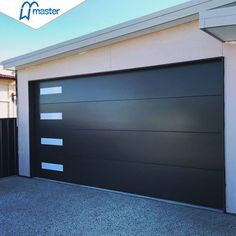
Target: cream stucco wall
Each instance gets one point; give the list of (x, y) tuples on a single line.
[(182, 43), (230, 126)]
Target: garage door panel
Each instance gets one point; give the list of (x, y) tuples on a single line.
[(194, 114), (191, 186), (178, 149), (156, 131), (53, 175), (179, 184), (181, 80)]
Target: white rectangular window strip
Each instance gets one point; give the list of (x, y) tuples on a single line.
[(51, 166), (51, 90), (52, 141), (50, 116)]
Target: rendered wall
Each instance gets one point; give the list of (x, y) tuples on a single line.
[(183, 43), (230, 126)]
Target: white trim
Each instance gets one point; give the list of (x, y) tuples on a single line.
[(51, 166), (52, 141), (50, 116), (218, 17), (5, 101), (220, 22)]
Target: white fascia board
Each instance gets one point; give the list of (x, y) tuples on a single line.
[(220, 23), (164, 19), (218, 17)]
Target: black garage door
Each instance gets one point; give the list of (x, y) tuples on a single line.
[(155, 131)]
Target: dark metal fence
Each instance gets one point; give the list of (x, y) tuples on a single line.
[(8, 147)]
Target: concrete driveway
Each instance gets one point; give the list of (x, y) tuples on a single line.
[(35, 207)]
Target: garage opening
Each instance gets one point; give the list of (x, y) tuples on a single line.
[(156, 131)]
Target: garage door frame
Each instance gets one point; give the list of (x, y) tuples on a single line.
[(33, 98)]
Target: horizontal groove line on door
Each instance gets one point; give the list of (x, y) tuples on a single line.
[(138, 131), (134, 99), (143, 163)]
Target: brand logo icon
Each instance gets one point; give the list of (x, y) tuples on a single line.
[(26, 10), (25, 13), (36, 13)]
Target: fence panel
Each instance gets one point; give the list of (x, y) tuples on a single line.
[(8, 147)]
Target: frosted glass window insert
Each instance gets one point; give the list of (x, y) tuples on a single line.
[(51, 166), (51, 90), (50, 116), (52, 141)]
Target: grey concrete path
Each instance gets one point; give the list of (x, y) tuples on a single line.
[(35, 207)]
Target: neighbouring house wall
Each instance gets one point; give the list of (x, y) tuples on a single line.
[(4, 98), (7, 106), (182, 43)]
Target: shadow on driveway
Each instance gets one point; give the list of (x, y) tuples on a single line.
[(35, 207)]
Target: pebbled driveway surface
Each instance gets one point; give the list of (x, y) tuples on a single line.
[(35, 207)]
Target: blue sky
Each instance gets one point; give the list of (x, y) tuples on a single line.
[(92, 15)]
